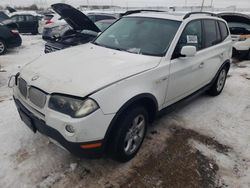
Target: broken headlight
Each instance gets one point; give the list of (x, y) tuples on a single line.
[(74, 107)]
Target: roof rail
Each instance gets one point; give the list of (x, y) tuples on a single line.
[(207, 13), (140, 10)]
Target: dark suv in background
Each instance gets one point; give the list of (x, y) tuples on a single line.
[(27, 23), (9, 36)]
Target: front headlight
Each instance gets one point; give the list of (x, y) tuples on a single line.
[(74, 107)]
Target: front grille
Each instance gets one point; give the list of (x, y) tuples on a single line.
[(22, 85), (49, 49), (37, 97)]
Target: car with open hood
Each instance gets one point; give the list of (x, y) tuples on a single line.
[(239, 25), (9, 36), (83, 29), (61, 28), (76, 38), (99, 98)]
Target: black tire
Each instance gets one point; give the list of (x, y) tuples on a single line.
[(124, 127), (248, 55), (3, 47), (219, 83)]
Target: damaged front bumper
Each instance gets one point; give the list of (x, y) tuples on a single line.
[(38, 125)]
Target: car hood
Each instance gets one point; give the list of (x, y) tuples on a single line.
[(85, 69), (75, 18)]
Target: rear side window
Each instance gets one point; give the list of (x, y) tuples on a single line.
[(224, 30), (218, 33), (210, 33)]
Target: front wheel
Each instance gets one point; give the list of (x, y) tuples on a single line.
[(219, 83), (3, 47), (131, 130)]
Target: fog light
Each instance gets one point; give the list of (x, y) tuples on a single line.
[(70, 128)]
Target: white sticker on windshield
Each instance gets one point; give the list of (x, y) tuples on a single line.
[(192, 39)]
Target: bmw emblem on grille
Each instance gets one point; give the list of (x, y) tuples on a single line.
[(35, 78)]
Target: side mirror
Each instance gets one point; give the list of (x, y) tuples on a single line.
[(188, 51)]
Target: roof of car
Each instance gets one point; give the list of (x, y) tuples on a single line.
[(170, 16), (33, 13)]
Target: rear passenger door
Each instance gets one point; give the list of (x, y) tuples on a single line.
[(215, 50), (20, 20), (31, 24)]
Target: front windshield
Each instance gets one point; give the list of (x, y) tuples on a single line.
[(147, 36)]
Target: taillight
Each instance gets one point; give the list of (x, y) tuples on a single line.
[(48, 22), (244, 37), (14, 31)]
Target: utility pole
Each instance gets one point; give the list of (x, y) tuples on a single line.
[(203, 1)]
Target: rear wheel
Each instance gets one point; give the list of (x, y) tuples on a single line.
[(3, 47), (130, 134), (219, 83)]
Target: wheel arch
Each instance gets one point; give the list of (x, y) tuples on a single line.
[(225, 64), (146, 99)]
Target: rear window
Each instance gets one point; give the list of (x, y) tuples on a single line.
[(48, 17), (103, 17), (223, 30), (210, 33), (237, 28)]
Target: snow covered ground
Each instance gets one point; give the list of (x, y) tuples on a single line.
[(29, 160)]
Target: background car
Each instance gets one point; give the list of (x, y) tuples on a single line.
[(95, 17), (3, 16), (59, 28), (26, 21), (239, 25), (104, 24), (46, 19), (9, 36), (82, 28), (77, 38)]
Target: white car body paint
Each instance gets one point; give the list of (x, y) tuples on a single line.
[(242, 45), (112, 78)]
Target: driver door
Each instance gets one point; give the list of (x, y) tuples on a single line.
[(186, 73)]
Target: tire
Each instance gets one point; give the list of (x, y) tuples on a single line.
[(3, 47), (128, 138), (219, 83), (248, 55)]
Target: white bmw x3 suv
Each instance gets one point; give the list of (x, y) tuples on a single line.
[(100, 97)]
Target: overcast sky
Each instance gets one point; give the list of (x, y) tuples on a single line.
[(216, 3)]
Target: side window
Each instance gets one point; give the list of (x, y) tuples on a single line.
[(103, 17), (30, 18), (191, 36), (224, 30), (210, 33), (14, 18), (19, 18), (218, 33), (92, 18)]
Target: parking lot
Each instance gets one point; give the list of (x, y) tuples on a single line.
[(205, 143)]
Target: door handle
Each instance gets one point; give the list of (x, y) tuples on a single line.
[(201, 65)]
